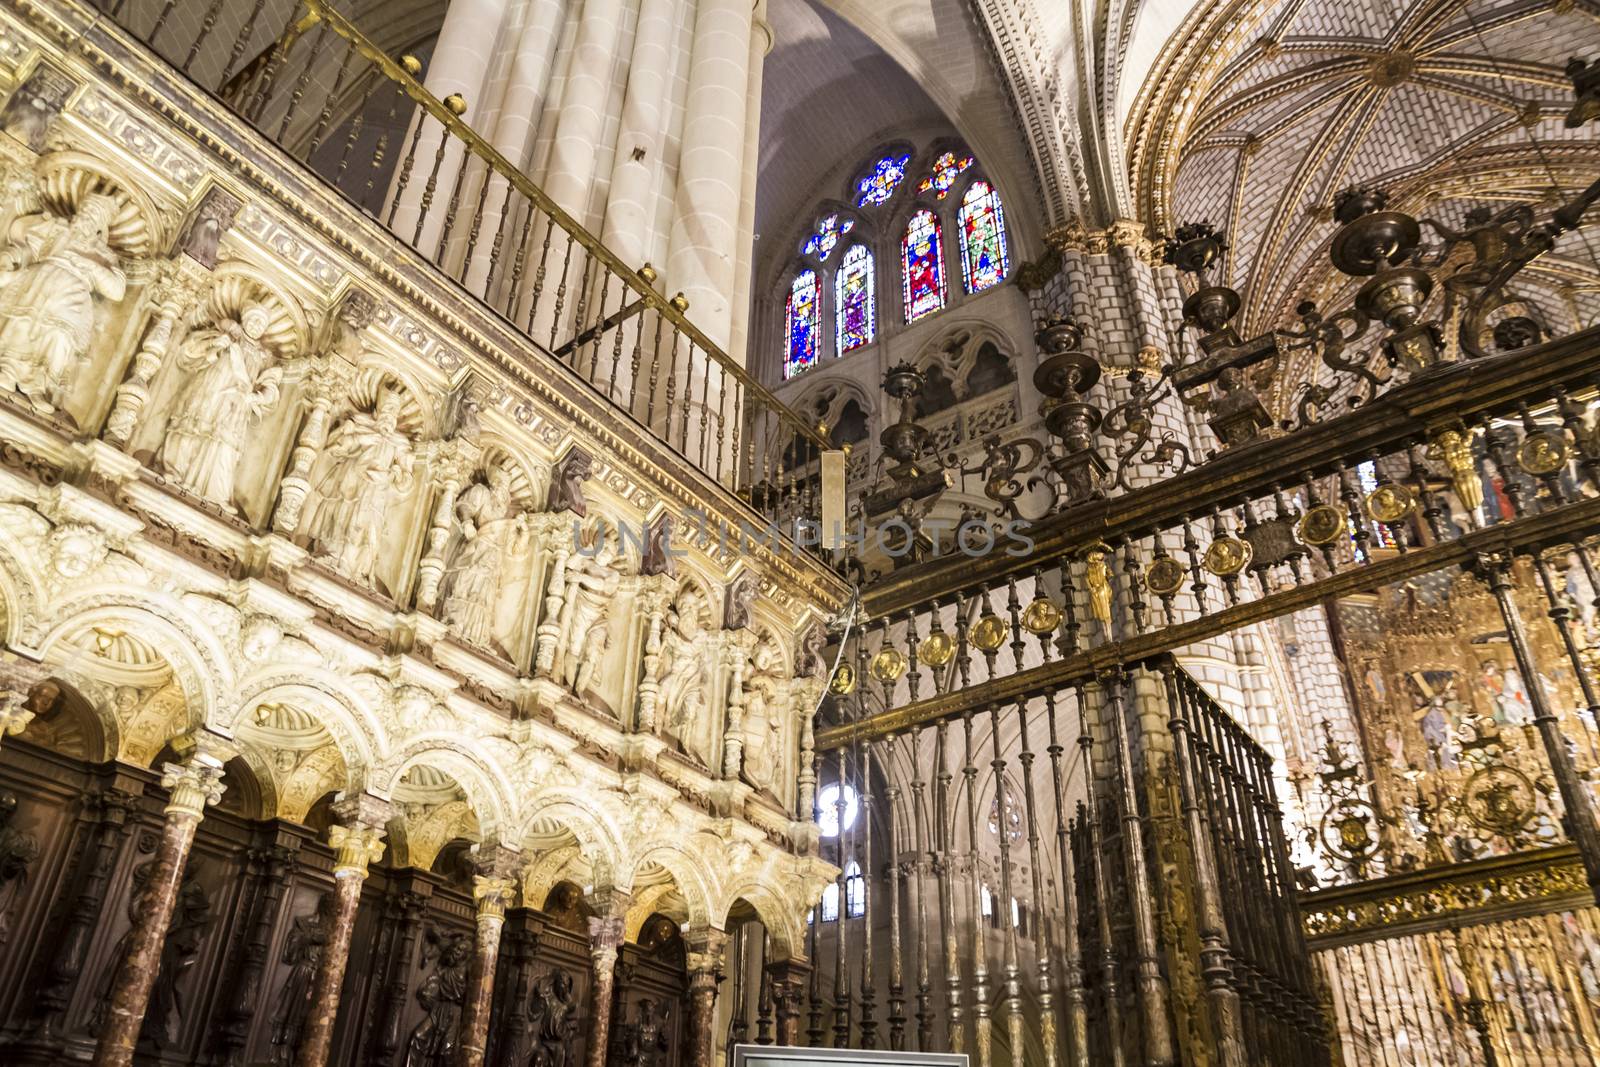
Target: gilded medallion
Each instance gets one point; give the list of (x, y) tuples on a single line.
[(1226, 556), (888, 665), (937, 649), (987, 634), (1323, 524), (1390, 503), (1041, 617), (1164, 576), (1543, 452), (844, 680)]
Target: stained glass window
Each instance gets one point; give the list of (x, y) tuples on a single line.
[(946, 169), (922, 265), (805, 321), (983, 238), (829, 230), (854, 300), (886, 176)]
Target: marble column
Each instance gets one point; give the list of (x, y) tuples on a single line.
[(788, 990), (194, 783), (703, 250), (493, 894), (356, 842), (706, 948), (605, 937)]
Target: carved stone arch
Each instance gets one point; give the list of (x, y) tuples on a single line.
[(828, 401), (238, 284), (417, 419), (530, 478), (548, 869), (20, 592), (75, 725), (200, 663), (690, 873), (585, 816), (956, 351), (251, 786), (66, 179), (488, 792), (357, 727), (783, 917)]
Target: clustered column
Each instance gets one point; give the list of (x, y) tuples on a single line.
[(493, 893), (356, 841), (194, 783)]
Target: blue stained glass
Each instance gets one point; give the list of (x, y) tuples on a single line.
[(886, 176), (805, 320), (829, 230), (983, 238), (922, 266), (946, 169), (854, 299)]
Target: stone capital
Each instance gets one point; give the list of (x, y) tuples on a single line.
[(194, 784), (605, 937), (706, 946), (355, 847), (493, 895), (358, 808)]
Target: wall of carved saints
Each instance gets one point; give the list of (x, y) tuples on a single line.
[(258, 481)]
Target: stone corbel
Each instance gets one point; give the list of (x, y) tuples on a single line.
[(35, 105), (175, 293), (213, 217)]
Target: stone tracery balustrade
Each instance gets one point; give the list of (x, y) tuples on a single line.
[(255, 458)]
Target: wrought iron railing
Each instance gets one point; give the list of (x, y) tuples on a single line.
[(311, 82), (1031, 871)]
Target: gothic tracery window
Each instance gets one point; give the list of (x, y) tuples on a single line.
[(804, 321), (946, 169), (922, 265), (983, 238), (855, 898), (829, 229), (855, 300), (884, 178)]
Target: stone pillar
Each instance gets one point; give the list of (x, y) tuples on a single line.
[(357, 841), (703, 250), (630, 201), (739, 331), (706, 947), (605, 936), (788, 990), (493, 894), (194, 783)]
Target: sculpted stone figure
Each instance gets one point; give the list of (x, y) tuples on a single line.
[(227, 386), (763, 719), (593, 576), (491, 533), (683, 682), (18, 850), (303, 952), (368, 461), (50, 273)]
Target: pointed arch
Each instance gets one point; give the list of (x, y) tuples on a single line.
[(922, 266), (855, 300), (804, 322), (982, 224)]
